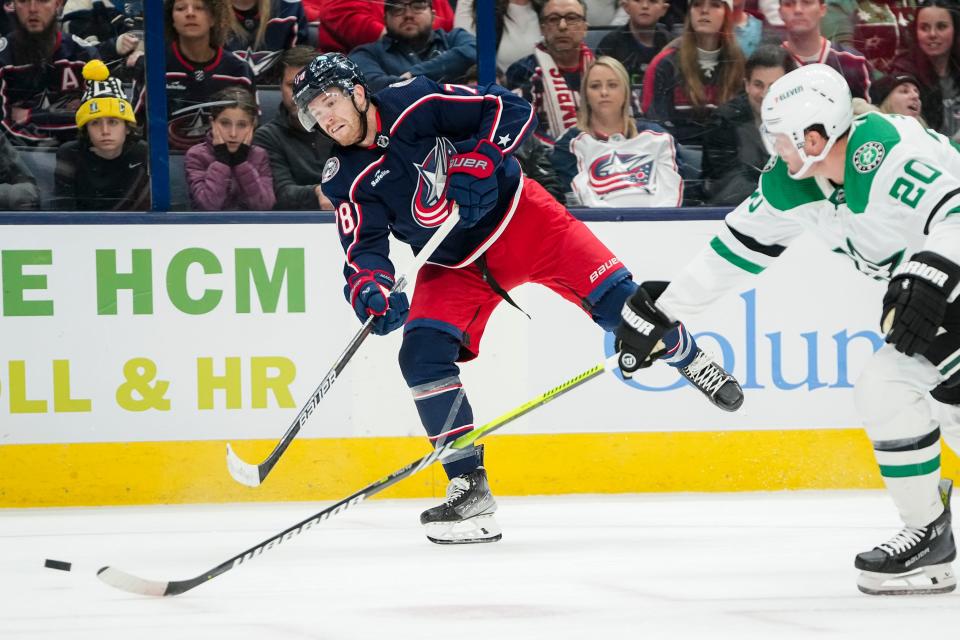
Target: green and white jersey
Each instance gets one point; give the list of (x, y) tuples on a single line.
[(901, 194)]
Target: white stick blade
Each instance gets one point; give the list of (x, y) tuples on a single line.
[(130, 583), (242, 472)]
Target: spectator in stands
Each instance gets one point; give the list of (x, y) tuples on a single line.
[(705, 71), (876, 28), (607, 160), (296, 156), (412, 47), (347, 24), (806, 44), (934, 59), (898, 94), (105, 168), (550, 77), (515, 21), (606, 13), (266, 28), (198, 66), (41, 79), (637, 42), (747, 28), (18, 188), (733, 151), (227, 172), (116, 30)]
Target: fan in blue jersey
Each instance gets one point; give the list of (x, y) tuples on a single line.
[(402, 157)]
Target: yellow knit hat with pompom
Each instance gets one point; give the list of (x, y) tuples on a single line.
[(103, 96)]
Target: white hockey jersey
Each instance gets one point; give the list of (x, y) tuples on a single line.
[(627, 172), (901, 195)]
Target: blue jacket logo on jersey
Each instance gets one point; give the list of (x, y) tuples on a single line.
[(614, 171), (429, 207)]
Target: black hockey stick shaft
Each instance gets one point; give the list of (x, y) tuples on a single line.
[(254, 475), (128, 582)]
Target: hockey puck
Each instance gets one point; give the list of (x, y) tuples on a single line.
[(60, 565)]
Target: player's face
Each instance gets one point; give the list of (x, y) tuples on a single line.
[(407, 20), (605, 93), (644, 14), (563, 24), (905, 100), (107, 136), (802, 16), (192, 19), (781, 145), (759, 83), (336, 115), (706, 16), (235, 127), (36, 15), (934, 31)]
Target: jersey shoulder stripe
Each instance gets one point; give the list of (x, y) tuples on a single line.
[(783, 193), (872, 137)]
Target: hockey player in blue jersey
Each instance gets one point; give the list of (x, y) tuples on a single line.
[(402, 156)]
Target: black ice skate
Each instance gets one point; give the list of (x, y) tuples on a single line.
[(721, 388), (915, 561), (467, 514)]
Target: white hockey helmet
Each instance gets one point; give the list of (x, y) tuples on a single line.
[(814, 94)]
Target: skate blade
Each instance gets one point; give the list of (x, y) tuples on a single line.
[(936, 578), (481, 528)]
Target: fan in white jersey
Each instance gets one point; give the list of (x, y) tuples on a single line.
[(604, 160), (884, 191)]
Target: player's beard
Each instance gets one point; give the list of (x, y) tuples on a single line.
[(34, 48)]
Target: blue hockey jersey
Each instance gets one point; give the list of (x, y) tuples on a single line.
[(397, 184)]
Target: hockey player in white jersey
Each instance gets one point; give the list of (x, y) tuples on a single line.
[(886, 192)]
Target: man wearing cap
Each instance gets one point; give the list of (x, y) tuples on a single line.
[(105, 168), (40, 76), (412, 47)]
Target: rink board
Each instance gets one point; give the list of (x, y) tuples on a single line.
[(129, 354)]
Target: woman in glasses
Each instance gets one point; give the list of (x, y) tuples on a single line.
[(934, 60)]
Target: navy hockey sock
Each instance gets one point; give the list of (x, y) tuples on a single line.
[(681, 347), (428, 362)]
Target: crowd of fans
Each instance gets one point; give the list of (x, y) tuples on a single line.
[(641, 103)]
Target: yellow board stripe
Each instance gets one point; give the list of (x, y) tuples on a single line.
[(329, 469)]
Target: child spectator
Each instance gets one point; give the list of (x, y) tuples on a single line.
[(637, 42), (605, 160), (516, 24), (705, 71), (266, 28), (105, 168), (934, 60), (733, 151), (198, 66), (227, 172), (18, 188)]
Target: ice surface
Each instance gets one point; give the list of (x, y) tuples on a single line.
[(745, 566)]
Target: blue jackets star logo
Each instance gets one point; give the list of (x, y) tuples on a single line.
[(429, 207)]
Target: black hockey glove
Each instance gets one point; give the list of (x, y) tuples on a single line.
[(916, 301), (368, 292), (642, 325), (472, 181)]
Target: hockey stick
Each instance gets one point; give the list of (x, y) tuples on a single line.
[(128, 582), (253, 475)]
